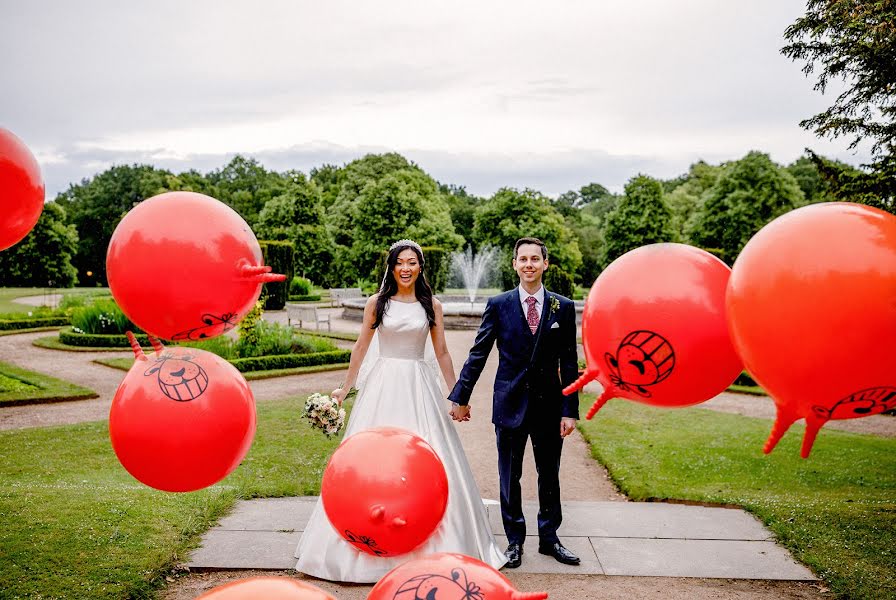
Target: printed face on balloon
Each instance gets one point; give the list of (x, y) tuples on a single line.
[(644, 358), (439, 587), (871, 401), (179, 377)]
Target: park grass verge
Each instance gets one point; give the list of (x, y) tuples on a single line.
[(30, 330), (336, 335), (8, 294), (51, 342), (21, 386), (77, 525), (124, 364), (836, 511)]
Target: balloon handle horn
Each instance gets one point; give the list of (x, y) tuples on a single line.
[(599, 403), (586, 377), (260, 274), (782, 424), (135, 346), (398, 522), (812, 427), (377, 512), (528, 595), (156, 344)]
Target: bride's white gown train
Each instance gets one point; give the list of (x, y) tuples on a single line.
[(402, 390)]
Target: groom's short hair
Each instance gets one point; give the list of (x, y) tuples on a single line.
[(531, 240)]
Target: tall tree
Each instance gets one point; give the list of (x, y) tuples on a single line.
[(96, 206), (511, 214), (854, 42), (43, 258), (296, 216), (641, 217), (748, 194), (246, 186)]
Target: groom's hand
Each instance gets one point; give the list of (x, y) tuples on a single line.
[(460, 413), (567, 425)]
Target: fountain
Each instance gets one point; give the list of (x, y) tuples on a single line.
[(474, 271)]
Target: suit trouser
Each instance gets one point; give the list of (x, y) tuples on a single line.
[(546, 446)]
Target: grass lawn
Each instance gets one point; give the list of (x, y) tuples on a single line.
[(835, 511), (8, 294), (77, 525), (125, 364), (21, 386)]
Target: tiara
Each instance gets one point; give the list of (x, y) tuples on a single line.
[(410, 243)]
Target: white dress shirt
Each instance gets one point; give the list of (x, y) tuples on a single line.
[(539, 300)]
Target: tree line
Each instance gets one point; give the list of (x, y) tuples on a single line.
[(340, 218)]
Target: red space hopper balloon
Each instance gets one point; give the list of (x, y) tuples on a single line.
[(182, 419), (385, 491), (446, 576), (21, 190), (268, 588), (812, 311), (185, 266), (654, 328)]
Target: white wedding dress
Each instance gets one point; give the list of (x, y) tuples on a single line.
[(401, 389)]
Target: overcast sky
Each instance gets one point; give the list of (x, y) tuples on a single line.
[(485, 94)]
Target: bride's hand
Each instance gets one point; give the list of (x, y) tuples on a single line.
[(338, 395)]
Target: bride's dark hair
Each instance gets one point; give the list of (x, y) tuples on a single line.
[(389, 286)]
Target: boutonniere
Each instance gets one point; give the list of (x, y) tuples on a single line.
[(555, 304)]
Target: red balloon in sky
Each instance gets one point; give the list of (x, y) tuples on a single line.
[(21, 190), (182, 419), (267, 588), (446, 576), (812, 311), (654, 328), (385, 491), (185, 266)]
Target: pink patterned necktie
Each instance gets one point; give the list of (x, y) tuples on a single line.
[(532, 314)]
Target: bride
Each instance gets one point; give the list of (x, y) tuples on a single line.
[(402, 390)]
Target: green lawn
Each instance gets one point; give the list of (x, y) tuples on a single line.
[(77, 525), (835, 511), (7, 294), (21, 386)]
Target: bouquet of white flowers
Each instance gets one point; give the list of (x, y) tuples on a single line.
[(324, 413)]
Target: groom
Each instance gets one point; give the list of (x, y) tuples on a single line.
[(536, 335)]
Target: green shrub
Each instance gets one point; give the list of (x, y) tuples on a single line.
[(559, 281), (28, 323), (103, 317), (96, 340), (299, 286), (279, 256), (305, 298), (290, 361), (263, 339), (745, 379)]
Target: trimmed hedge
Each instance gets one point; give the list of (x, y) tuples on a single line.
[(559, 281), (90, 340), (290, 361), (278, 256), (304, 298), (10, 324)]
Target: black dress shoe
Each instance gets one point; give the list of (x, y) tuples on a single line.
[(514, 554), (560, 553)]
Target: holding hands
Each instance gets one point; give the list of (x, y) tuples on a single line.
[(460, 413)]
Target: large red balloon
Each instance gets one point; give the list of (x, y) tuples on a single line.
[(21, 190), (812, 310), (385, 491), (654, 328), (182, 419), (267, 588), (447, 576), (185, 266)]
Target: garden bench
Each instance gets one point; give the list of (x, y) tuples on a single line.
[(309, 314), (337, 295)]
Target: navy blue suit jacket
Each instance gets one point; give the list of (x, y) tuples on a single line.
[(532, 369)]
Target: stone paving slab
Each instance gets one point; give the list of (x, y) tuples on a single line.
[(612, 538), (647, 520), (728, 559)]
